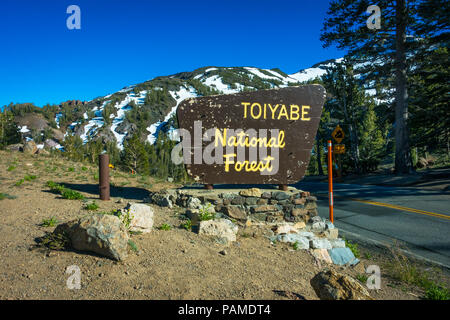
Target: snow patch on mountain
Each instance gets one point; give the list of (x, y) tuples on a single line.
[(180, 95), (122, 108)]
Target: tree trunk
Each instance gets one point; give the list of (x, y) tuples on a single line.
[(403, 162), (319, 157)]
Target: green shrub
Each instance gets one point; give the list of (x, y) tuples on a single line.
[(51, 222), (11, 168), (30, 177), (353, 247), (19, 183), (362, 278), (187, 225), (436, 292), (206, 212), (71, 194), (91, 206), (66, 193), (164, 227)]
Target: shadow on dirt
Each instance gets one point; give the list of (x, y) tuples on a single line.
[(127, 193)]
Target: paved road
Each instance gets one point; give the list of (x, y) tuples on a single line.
[(418, 218)]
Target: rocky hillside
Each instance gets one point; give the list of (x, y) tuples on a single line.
[(148, 107)]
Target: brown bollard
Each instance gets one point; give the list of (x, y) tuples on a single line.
[(283, 187), (103, 165), (209, 187)]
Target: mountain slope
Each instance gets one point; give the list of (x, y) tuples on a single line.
[(147, 107)]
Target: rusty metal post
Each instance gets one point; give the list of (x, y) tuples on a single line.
[(209, 187), (103, 165), (283, 187)]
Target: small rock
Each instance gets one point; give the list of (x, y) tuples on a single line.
[(337, 243), (285, 228), (318, 226), (331, 233), (280, 195), (194, 203), (299, 225), (302, 242), (342, 256), (266, 195), (222, 228), (235, 212), (223, 252), (321, 254), (142, 217), (252, 192), (320, 244)]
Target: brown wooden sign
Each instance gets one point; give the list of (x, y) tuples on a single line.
[(261, 137)]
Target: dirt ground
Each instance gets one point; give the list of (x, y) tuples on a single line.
[(173, 264)]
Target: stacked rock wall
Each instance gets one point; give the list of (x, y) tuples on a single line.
[(252, 204)]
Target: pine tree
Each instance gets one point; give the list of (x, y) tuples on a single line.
[(9, 132), (134, 156), (347, 99), (381, 53)]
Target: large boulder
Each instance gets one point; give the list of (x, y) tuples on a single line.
[(30, 147), (142, 217), (331, 285), (221, 228), (100, 233)]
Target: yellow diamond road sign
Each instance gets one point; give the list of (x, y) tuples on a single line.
[(338, 134)]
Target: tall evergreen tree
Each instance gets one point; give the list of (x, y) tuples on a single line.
[(9, 132), (379, 52), (134, 155)]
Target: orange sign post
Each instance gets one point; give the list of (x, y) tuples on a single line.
[(330, 181)]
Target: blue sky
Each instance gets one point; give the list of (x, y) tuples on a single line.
[(127, 42)]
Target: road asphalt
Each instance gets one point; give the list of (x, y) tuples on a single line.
[(415, 218)]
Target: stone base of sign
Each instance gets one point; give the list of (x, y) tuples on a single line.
[(286, 216), (257, 205)]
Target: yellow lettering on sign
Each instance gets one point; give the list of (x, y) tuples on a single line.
[(245, 104), (278, 111), (259, 108), (248, 166), (243, 140), (273, 109), (295, 112), (304, 112)]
